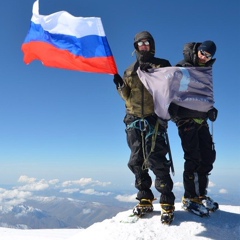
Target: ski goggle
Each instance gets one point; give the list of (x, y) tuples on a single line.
[(141, 43), (207, 55)]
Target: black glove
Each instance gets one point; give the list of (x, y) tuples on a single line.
[(212, 114), (145, 67), (118, 80)]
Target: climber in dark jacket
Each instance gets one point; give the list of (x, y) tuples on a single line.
[(141, 121), (193, 129)]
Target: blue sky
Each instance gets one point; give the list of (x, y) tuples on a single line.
[(67, 125)]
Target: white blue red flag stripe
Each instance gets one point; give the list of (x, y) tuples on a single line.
[(190, 87), (64, 41)]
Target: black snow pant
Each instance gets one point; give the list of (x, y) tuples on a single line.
[(140, 148), (199, 155)]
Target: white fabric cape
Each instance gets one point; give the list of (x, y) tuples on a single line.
[(190, 87)]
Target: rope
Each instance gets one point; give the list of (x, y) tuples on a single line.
[(145, 165), (144, 126)]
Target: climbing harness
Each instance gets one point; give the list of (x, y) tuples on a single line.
[(148, 130), (142, 125)]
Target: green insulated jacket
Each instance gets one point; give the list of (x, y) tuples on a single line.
[(139, 102)]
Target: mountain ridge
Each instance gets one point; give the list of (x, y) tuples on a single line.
[(222, 224)]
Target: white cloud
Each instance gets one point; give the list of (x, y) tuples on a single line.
[(103, 184), (81, 182), (26, 179), (211, 184), (178, 184), (13, 197), (91, 191), (126, 198), (35, 186), (85, 181), (44, 198), (10, 194), (70, 190), (53, 181), (223, 191), (178, 187)]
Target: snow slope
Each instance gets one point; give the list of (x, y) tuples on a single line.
[(221, 225)]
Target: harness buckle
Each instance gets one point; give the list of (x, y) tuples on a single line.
[(143, 124)]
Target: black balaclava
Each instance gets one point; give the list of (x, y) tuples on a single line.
[(144, 56)]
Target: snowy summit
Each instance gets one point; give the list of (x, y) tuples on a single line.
[(224, 224)]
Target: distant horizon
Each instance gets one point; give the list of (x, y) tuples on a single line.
[(90, 189)]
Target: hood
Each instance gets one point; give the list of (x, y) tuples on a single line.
[(144, 56)]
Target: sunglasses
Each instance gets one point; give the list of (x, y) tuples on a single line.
[(207, 55), (146, 43)]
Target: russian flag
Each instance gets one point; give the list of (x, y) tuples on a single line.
[(64, 41)]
